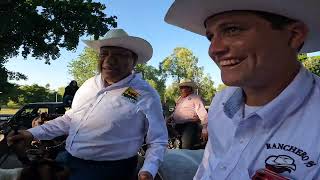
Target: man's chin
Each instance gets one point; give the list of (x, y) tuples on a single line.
[(231, 82)]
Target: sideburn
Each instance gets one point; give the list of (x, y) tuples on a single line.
[(99, 66)]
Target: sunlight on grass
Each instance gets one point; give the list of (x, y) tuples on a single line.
[(8, 111)]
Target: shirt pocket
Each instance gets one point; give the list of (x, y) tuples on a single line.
[(123, 111)]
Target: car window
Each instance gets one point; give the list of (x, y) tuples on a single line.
[(43, 110), (60, 110), (27, 111)]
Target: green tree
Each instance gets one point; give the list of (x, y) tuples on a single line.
[(154, 77), (172, 94), (61, 91), (85, 66), (313, 64), (8, 90), (41, 28), (206, 89), (181, 64), (221, 87), (302, 57), (35, 93)]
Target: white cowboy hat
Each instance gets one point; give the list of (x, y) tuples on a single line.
[(119, 38), (191, 14), (187, 82)]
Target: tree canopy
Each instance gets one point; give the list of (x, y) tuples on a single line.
[(154, 77), (183, 64), (41, 28), (85, 66), (313, 64)]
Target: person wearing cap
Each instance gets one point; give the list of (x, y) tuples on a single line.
[(189, 113), (110, 116), (271, 108)]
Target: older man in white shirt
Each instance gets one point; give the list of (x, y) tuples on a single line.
[(111, 114), (266, 126), (189, 115)]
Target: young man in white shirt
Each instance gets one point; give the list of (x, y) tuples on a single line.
[(266, 126)]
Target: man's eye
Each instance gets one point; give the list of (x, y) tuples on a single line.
[(232, 30)]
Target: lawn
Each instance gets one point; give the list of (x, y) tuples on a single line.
[(8, 111)]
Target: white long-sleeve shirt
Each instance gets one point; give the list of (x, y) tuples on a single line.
[(110, 123), (282, 135)]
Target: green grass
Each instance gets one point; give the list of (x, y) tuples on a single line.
[(8, 111)]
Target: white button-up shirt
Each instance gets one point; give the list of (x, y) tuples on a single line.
[(283, 135), (110, 123)]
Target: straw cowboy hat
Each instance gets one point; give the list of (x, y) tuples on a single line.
[(187, 82), (119, 38), (191, 14)]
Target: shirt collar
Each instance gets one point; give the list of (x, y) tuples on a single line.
[(288, 100), (122, 82), (234, 103)]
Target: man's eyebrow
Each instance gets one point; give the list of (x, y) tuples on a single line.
[(227, 23)]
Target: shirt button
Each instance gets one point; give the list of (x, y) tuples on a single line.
[(241, 141), (223, 167)]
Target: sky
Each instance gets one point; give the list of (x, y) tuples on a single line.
[(142, 18)]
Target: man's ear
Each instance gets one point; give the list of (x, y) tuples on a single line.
[(298, 34)]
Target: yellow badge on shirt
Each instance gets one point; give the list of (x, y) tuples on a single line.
[(131, 94)]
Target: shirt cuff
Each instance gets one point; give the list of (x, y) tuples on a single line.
[(151, 168), (36, 132)]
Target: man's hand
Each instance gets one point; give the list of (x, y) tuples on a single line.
[(204, 134), (145, 175)]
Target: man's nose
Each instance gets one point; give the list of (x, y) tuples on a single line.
[(218, 47), (110, 60)]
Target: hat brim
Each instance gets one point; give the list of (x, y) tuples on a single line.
[(191, 14), (188, 84), (141, 47)]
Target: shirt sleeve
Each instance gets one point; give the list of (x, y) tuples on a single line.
[(51, 129), (204, 166), (201, 111), (157, 136)]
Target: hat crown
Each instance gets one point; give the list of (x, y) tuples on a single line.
[(186, 81), (120, 38), (200, 10), (115, 33)]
